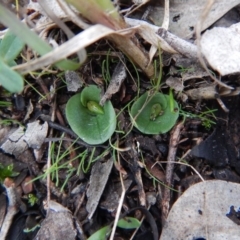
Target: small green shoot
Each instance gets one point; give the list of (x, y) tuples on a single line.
[(171, 100), (183, 70), (105, 69), (101, 234), (99, 11), (154, 178), (32, 199), (6, 171), (59, 163), (129, 223), (126, 223), (28, 230), (206, 117), (7, 122), (5, 104), (93, 123), (156, 81)]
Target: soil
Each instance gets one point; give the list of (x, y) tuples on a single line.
[(86, 186)]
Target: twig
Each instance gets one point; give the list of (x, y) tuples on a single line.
[(119, 205), (174, 140), (165, 23), (49, 155), (119, 209), (12, 207), (66, 130), (72, 15), (185, 164), (136, 170)]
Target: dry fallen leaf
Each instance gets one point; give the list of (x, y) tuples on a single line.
[(185, 14), (58, 224), (99, 176), (220, 46), (200, 213)]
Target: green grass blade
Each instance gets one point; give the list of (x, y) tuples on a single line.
[(10, 47), (31, 38), (10, 79)]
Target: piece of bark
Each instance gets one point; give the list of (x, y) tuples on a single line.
[(58, 224), (99, 176), (73, 80), (118, 77)]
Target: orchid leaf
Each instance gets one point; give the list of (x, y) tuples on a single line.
[(153, 114), (93, 123)]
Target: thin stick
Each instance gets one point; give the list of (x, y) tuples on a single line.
[(165, 23), (174, 140), (49, 155), (12, 207), (185, 164), (119, 205)]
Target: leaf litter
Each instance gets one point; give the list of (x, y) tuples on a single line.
[(139, 36)]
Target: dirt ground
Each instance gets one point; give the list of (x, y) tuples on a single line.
[(141, 140)]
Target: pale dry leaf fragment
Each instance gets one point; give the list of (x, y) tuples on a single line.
[(44, 22), (116, 81), (80, 41), (112, 196), (160, 38), (201, 213), (52, 6), (15, 145), (99, 176), (35, 134), (204, 92), (73, 80), (19, 141), (30, 109), (221, 48), (175, 83), (188, 68), (149, 33), (185, 14), (58, 224), (137, 4)]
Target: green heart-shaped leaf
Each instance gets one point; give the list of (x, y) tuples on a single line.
[(91, 125), (153, 114)]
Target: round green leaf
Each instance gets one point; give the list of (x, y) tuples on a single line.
[(91, 126), (153, 114)]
